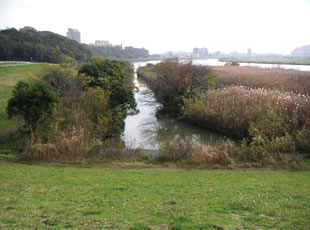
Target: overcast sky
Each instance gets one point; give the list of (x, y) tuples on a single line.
[(170, 25)]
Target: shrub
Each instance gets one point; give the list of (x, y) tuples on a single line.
[(91, 111), (34, 101), (108, 75), (173, 80), (225, 153), (303, 138), (175, 151), (63, 80)]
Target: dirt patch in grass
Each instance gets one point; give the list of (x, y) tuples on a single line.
[(8, 83)]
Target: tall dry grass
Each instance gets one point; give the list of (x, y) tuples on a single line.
[(272, 119), (226, 153), (255, 77)]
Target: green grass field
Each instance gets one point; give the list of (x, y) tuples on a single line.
[(39, 197), (9, 76), (266, 61)]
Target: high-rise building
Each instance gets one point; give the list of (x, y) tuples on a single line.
[(249, 52), (74, 34), (200, 52)]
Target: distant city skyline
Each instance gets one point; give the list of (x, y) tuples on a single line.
[(274, 26)]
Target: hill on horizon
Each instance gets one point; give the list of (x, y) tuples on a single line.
[(28, 44), (303, 51)]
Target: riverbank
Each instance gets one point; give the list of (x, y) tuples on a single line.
[(151, 198), (267, 61), (267, 107)]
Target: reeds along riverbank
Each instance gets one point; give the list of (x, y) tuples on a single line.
[(255, 77), (268, 107)]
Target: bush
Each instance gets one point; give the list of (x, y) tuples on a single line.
[(172, 81), (90, 111), (34, 101), (175, 151), (63, 80), (108, 75), (303, 138)]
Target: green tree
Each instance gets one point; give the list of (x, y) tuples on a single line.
[(112, 77), (108, 75), (33, 101)]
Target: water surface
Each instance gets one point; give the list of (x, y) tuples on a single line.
[(148, 130)]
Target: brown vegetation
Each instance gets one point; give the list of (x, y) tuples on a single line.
[(173, 80), (84, 120), (255, 77), (226, 153), (268, 107)]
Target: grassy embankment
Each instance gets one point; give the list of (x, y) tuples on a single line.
[(9, 76), (36, 197), (267, 61)]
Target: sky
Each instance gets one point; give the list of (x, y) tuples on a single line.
[(265, 26)]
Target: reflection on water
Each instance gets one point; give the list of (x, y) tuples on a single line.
[(148, 129)]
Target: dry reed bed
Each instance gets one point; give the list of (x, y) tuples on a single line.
[(255, 77), (235, 108), (226, 153)]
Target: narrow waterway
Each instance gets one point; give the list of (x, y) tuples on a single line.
[(148, 130)]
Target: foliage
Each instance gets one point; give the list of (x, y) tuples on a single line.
[(101, 68), (303, 137), (174, 80), (171, 151), (27, 44), (67, 62), (92, 110), (33, 101), (117, 52), (232, 63), (63, 79), (9, 76), (108, 75)]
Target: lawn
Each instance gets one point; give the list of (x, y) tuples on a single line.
[(37, 197), (9, 76)]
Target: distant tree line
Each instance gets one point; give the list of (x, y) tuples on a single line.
[(117, 52), (28, 44)]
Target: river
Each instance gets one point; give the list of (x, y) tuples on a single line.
[(148, 130)]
